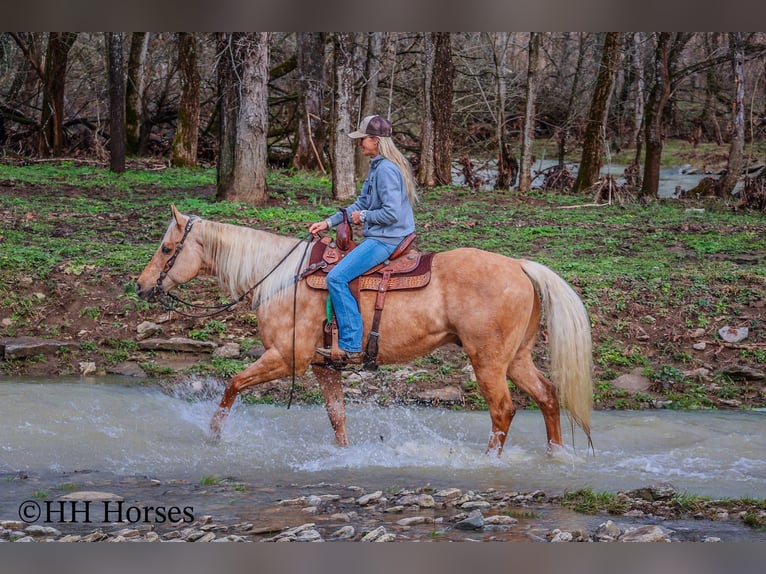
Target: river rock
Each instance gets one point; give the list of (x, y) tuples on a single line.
[(449, 493), (227, 351), (421, 500), (87, 368), (39, 530), (561, 536), (127, 369), (744, 372), (608, 531), (91, 496), (733, 334), (22, 347), (449, 394), (177, 344), (474, 521), (659, 491), (369, 498), (343, 533), (375, 535), (646, 533), (147, 329), (632, 382), (415, 520)]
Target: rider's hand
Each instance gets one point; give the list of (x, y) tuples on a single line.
[(317, 227)]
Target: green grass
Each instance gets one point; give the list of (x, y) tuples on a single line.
[(638, 263), (586, 501)]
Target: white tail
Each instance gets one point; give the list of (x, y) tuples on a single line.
[(569, 335)]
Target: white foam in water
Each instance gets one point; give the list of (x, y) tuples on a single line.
[(139, 430)]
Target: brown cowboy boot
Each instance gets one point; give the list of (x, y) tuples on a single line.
[(342, 356)]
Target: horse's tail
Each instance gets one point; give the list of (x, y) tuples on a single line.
[(569, 336)]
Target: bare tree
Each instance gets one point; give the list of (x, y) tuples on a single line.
[(134, 91), (343, 187), (737, 146), (441, 106), (243, 164), (669, 47), (187, 125), (528, 135), (116, 103), (566, 128), (593, 145), (372, 69), (426, 169), (311, 138), (507, 166), (51, 73), (54, 82)]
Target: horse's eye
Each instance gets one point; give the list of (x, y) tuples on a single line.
[(166, 250)]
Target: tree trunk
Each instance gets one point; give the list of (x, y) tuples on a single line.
[(187, 125), (668, 51), (528, 133), (373, 67), (506, 174), (593, 145), (116, 103), (563, 136), (228, 106), (311, 80), (343, 187), (54, 83), (441, 106), (134, 91), (426, 171), (243, 164), (639, 94), (737, 147), (658, 97)]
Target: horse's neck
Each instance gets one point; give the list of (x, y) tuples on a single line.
[(242, 257)]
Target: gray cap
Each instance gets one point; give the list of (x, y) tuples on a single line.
[(373, 126)]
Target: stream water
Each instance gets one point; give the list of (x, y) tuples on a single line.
[(670, 177), (118, 426)]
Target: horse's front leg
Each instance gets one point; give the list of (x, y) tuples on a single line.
[(270, 366), (332, 390)]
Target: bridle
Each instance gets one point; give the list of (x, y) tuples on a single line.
[(164, 297)]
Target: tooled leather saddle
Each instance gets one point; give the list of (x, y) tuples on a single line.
[(406, 268)]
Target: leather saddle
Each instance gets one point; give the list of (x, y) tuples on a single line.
[(406, 268)]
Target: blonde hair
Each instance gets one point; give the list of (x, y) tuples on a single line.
[(388, 150)]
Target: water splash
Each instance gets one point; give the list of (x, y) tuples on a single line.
[(133, 429)]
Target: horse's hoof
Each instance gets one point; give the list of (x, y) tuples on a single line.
[(214, 438)]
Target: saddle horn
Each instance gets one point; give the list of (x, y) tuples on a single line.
[(344, 235)]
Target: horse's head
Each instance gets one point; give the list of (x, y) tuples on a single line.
[(177, 260)]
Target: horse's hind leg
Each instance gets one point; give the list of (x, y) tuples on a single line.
[(332, 390), (529, 379), (494, 389)]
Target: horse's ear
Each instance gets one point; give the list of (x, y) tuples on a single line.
[(177, 215)]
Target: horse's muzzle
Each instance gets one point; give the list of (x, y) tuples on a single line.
[(151, 295)]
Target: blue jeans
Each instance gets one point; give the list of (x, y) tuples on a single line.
[(361, 259)]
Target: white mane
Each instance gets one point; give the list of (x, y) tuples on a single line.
[(242, 256)]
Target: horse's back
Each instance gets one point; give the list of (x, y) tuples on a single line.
[(477, 269)]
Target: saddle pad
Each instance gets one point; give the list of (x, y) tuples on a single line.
[(416, 277)]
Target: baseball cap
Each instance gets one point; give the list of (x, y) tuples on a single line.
[(376, 126)]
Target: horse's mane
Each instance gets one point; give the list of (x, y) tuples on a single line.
[(242, 256)]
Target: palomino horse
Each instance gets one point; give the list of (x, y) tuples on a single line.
[(489, 304)]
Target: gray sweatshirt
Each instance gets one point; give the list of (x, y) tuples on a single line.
[(389, 216)]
